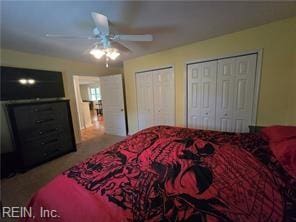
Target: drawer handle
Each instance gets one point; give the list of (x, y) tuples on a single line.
[(48, 131), (49, 141), (42, 110), (54, 151), (44, 120)]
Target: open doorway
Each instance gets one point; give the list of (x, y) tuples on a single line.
[(89, 106), (100, 108)]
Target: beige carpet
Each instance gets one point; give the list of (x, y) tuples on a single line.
[(18, 190)]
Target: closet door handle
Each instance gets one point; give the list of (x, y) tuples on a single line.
[(225, 114), (121, 110)]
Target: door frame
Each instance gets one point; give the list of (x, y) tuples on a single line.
[(76, 81), (154, 68), (259, 53), (76, 94)]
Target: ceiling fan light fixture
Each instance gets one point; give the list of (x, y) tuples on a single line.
[(97, 53), (112, 54)]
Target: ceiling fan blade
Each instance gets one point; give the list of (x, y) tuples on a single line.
[(119, 46), (133, 38), (101, 22), (68, 36)]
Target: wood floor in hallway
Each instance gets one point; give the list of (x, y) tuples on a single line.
[(97, 129)]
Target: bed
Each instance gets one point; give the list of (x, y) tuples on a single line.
[(174, 174)]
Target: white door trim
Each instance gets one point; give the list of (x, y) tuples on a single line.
[(257, 86), (76, 82), (77, 101), (174, 89), (259, 53)]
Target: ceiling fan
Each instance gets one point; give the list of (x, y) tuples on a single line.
[(106, 44)]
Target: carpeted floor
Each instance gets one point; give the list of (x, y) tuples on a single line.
[(18, 190)]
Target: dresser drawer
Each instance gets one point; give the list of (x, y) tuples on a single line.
[(61, 112), (36, 133), (63, 146), (43, 134), (46, 148), (30, 117), (34, 153)]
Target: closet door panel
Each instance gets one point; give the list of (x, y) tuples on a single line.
[(245, 70), (209, 78), (194, 85), (145, 99), (157, 98), (202, 95), (163, 95), (224, 97)]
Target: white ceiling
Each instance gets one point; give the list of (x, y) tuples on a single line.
[(25, 23)]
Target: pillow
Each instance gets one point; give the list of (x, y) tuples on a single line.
[(285, 152), (277, 134)]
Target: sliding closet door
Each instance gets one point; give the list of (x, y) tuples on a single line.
[(202, 95), (164, 105), (225, 94), (244, 88), (144, 82)]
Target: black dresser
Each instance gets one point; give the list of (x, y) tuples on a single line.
[(41, 131)]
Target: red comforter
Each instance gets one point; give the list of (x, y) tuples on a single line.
[(173, 174)]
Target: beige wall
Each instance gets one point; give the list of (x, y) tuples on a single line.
[(67, 67), (277, 96)]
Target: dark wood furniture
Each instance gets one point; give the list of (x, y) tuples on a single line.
[(255, 129), (100, 110), (42, 131), (8, 163)]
